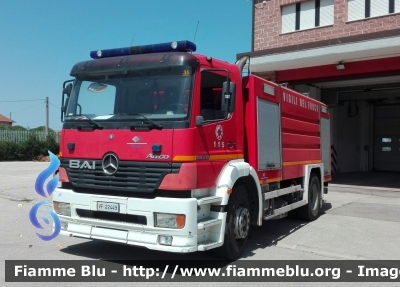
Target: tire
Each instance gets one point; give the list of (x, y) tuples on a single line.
[(310, 211), (237, 225)]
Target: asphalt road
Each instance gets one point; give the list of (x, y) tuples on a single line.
[(355, 223)]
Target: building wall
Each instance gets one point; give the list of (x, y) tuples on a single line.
[(352, 121), (268, 25)]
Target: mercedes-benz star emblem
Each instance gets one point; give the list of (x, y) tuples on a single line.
[(110, 163)]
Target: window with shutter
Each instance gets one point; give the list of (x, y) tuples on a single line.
[(288, 18), (356, 9), (379, 7), (361, 9), (307, 15), (396, 6), (326, 12)]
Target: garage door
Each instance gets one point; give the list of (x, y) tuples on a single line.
[(387, 138)]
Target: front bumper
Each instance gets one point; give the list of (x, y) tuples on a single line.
[(195, 235)]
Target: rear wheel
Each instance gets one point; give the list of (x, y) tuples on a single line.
[(237, 225), (310, 211)]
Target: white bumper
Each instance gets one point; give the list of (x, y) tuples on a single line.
[(184, 240)]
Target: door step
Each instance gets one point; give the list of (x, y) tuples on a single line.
[(208, 244), (285, 209), (208, 200), (207, 222)]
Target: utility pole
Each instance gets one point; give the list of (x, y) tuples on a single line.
[(47, 116)]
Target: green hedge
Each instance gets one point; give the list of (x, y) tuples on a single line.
[(29, 149)]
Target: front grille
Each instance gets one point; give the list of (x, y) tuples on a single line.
[(143, 177), (117, 217)]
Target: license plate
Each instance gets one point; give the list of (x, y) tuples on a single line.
[(108, 206)]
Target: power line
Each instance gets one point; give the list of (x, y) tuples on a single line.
[(54, 105), (21, 101), (26, 108)]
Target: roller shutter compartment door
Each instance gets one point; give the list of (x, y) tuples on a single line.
[(387, 138)]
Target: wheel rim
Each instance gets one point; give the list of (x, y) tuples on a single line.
[(242, 223)]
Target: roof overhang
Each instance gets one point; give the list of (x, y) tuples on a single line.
[(350, 49), (372, 49)]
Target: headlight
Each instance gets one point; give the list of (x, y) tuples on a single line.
[(166, 220), (62, 208)]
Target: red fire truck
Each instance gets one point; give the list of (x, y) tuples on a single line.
[(174, 151)]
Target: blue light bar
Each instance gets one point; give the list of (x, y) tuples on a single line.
[(181, 46), (109, 53)]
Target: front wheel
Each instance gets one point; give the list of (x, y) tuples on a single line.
[(310, 211), (237, 225)]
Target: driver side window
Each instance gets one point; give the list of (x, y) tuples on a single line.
[(211, 95)]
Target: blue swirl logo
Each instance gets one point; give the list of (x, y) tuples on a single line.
[(52, 184), (50, 187)]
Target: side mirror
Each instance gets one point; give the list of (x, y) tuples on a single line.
[(228, 97), (199, 120), (64, 104), (67, 90)]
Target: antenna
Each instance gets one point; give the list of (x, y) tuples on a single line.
[(130, 45), (195, 33)]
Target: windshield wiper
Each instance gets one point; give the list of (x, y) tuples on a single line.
[(152, 123), (99, 126)]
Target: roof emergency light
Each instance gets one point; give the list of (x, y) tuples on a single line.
[(181, 46)]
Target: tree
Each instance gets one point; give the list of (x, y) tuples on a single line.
[(41, 129), (12, 128), (18, 128)]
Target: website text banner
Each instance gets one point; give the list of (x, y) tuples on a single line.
[(202, 271)]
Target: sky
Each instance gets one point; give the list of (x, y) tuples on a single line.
[(40, 41)]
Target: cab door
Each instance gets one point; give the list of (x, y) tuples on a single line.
[(216, 135)]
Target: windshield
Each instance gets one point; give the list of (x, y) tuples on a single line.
[(159, 94)]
